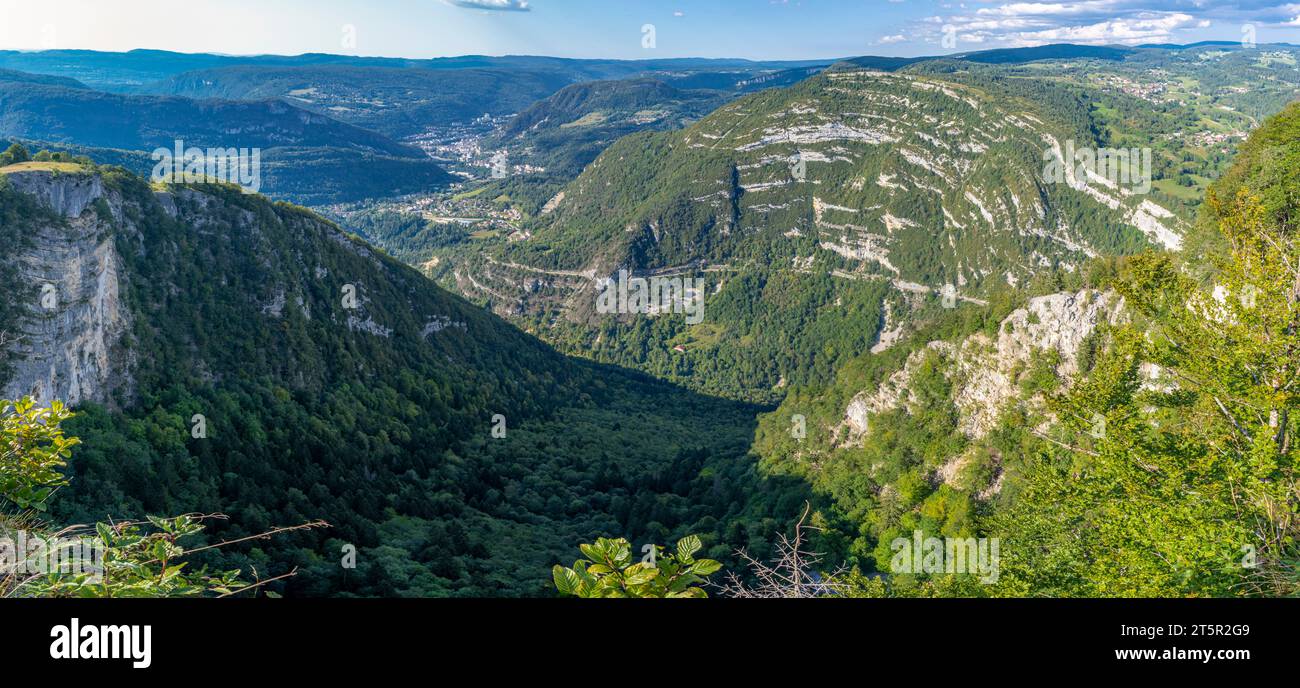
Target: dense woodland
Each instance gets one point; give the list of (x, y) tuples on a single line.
[(388, 438)]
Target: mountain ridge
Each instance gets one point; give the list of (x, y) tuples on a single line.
[(910, 183)]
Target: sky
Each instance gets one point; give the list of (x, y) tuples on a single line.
[(630, 29)]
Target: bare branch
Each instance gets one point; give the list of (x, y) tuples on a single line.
[(792, 574), (259, 584), (261, 536)]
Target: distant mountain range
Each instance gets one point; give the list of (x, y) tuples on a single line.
[(141, 69), (403, 97), (93, 118), (397, 102), (138, 68), (307, 157)]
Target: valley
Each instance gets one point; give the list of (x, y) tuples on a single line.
[(928, 291), (416, 480)]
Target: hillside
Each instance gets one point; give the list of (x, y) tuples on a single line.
[(331, 382), (11, 76), (397, 102), (934, 435), (1106, 425), (92, 118), (567, 131), (907, 184), (306, 158)]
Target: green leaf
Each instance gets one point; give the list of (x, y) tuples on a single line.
[(640, 576), (594, 553), (566, 581), (687, 547), (705, 567)]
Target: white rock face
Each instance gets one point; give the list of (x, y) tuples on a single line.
[(984, 370), (66, 194), (67, 345), (858, 416)]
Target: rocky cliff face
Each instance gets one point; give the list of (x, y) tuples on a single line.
[(67, 344), (986, 372)]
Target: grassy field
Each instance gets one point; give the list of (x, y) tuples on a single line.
[(1191, 193), (34, 166)]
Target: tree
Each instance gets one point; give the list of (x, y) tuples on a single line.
[(17, 153), (33, 450), (608, 571), (1175, 473), (122, 559)]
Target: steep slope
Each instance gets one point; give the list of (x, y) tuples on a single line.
[(1264, 167), (892, 161), (232, 355), (962, 430), (932, 436), (826, 207)]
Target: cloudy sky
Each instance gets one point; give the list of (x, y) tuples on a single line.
[(759, 29)]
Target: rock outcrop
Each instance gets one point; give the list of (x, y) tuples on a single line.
[(68, 194), (985, 372), (67, 346)]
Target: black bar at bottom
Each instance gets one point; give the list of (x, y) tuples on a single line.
[(563, 637)]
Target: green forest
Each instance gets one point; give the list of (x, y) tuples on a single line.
[(390, 438)]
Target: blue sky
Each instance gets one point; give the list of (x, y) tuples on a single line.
[(757, 29)]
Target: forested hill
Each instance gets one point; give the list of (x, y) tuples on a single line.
[(820, 216), (306, 157), (573, 102), (60, 113), (564, 133), (232, 355), (9, 75), (394, 101), (1131, 438)]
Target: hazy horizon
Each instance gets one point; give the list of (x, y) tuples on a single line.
[(760, 30), (617, 59)]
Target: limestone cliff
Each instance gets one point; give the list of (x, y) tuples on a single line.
[(66, 344), (985, 371)]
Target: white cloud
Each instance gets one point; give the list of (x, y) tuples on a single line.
[(492, 5), (1131, 22), (1017, 9), (1127, 31)]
